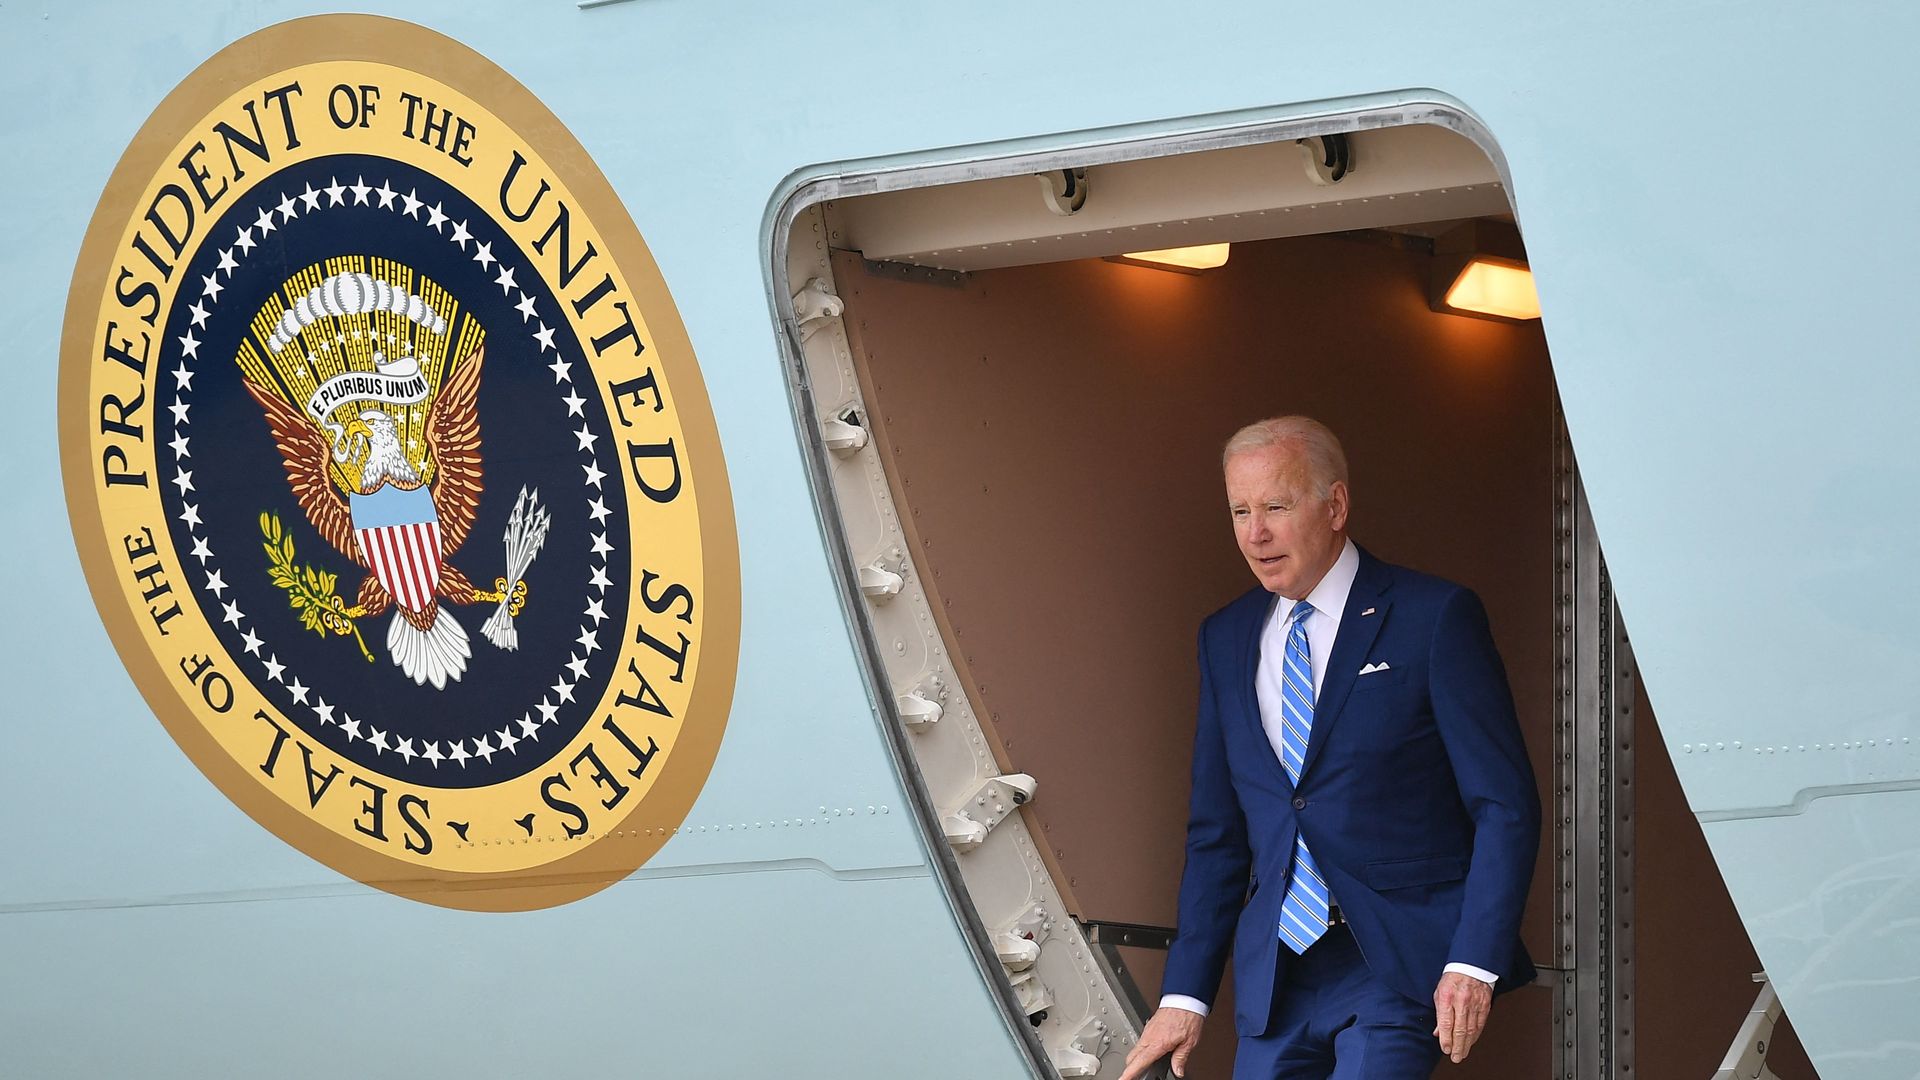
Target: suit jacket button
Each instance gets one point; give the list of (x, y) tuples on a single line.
[(1299, 803)]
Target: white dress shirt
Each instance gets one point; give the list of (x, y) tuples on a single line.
[(1329, 600)]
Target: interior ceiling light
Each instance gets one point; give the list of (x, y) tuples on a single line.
[(1199, 257), (1489, 286)]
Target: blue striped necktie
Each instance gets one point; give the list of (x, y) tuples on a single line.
[(1304, 910)]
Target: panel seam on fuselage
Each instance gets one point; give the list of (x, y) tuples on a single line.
[(1806, 797), (346, 889)]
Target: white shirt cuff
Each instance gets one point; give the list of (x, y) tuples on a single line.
[(1482, 974), (1182, 1001)]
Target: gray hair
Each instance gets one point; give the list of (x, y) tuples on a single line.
[(1326, 461)]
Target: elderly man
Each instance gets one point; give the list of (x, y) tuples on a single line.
[(1364, 819)]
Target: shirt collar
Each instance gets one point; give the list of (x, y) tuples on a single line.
[(1329, 598)]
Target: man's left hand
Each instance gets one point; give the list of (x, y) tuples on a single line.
[(1461, 1004)]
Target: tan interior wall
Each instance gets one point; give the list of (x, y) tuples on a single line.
[(1055, 431)]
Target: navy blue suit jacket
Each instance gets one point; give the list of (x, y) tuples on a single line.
[(1416, 798)]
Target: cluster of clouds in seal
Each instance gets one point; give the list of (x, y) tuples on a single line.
[(352, 294)]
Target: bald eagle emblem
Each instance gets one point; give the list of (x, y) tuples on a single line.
[(384, 458)]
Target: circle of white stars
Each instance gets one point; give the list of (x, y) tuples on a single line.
[(529, 725)]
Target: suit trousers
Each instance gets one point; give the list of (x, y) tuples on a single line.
[(1333, 1020)]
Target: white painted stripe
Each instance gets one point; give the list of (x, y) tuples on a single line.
[(396, 580), (388, 578), (424, 559), (366, 549), (416, 568), (433, 548), (422, 562), (402, 536), (376, 556), (397, 568), (413, 540)]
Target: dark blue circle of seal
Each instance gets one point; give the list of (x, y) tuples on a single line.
[(542, 427)]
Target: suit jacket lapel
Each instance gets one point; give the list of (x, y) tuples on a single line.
[(1350, 647), (1249, 672)]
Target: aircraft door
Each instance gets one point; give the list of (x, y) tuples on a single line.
[(1019, 463)]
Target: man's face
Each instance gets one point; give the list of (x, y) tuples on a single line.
[(1289, 534)]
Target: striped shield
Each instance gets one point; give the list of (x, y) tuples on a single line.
[(400, 533)]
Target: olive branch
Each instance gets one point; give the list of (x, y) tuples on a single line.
[(309, 590)]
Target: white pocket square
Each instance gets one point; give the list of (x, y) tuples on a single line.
[(1372, 668)]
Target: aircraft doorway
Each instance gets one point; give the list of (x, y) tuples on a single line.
[(1020, 439)]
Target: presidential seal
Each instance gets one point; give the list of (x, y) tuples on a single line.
[(393, 473)]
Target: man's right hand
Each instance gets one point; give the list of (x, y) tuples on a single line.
[(1171, 1031)]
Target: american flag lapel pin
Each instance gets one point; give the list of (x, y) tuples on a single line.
[(1367, 612)]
